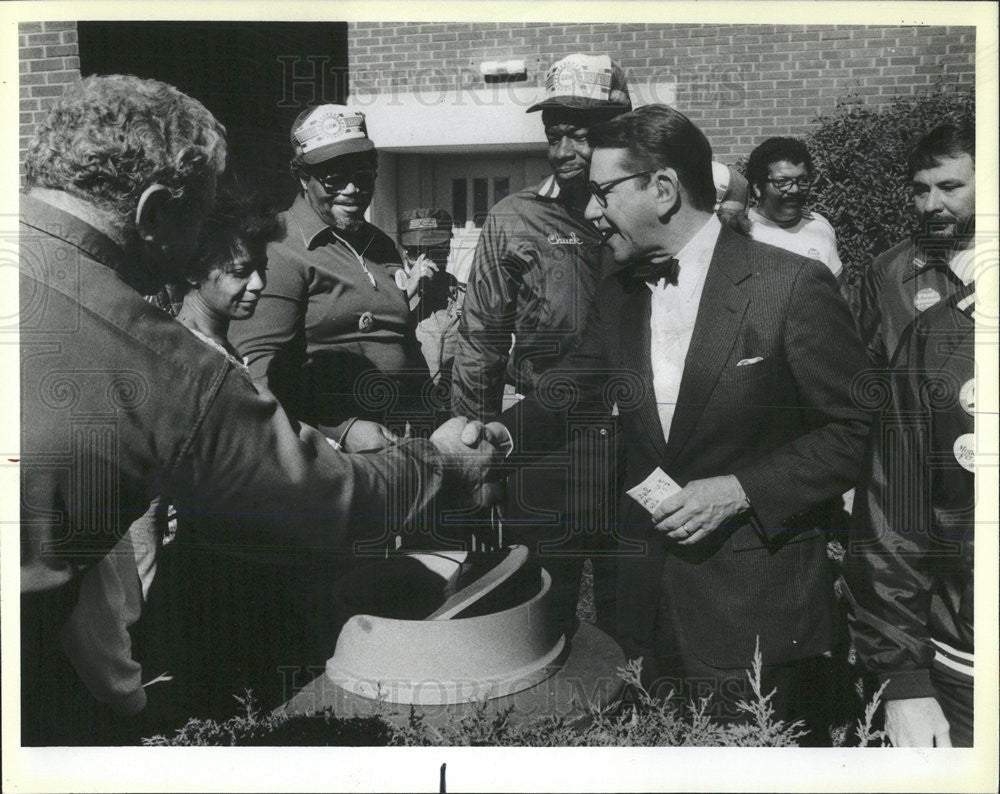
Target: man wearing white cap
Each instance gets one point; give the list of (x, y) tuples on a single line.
[(534, 275), (332, 332)]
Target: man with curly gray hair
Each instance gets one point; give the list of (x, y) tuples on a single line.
[(136, 159), (121, 404)]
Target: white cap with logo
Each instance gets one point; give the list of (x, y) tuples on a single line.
[(328, 131)]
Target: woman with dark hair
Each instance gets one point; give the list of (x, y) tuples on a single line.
[(228, 275)]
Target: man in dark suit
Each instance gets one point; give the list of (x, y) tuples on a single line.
[(731, 364)]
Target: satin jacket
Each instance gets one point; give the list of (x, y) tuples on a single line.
[(909, 565)]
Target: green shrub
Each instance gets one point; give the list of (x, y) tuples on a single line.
[(860, 155), (640, 720)]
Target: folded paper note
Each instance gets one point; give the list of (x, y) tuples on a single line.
[(654, 489)]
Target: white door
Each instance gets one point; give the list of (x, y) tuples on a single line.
[(468, 187)]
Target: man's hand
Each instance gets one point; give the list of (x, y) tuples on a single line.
[(365, 436), (420, 268), (916, 722), (472, 451), (699, 508)]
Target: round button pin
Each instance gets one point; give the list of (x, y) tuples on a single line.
[(366, 322), (967, 396), (926, 298), (965, 451)]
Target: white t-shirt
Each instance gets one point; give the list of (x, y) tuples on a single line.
[(813, 236)]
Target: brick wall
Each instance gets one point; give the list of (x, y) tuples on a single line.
[(740, 83), (49, 60)]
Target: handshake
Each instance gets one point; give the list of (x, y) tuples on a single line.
[(472, 453)]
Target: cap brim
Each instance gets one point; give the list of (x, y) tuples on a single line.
[(331, 150), (578, 103), (425, 237)]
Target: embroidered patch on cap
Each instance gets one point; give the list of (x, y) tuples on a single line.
[(328, 131), (585, 81), (583, 76), (427, 223)]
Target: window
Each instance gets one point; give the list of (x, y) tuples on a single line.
[(486, 191), (459, 196)]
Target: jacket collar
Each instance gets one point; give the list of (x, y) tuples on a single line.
[(548, 189), (720, 314), (70, 229)]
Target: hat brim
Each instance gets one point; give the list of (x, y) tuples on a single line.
[(579, 103), (425, 237), (331, 150), (589, 664)]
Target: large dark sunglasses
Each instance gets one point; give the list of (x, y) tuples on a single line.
[(600, 190), (336, 182)]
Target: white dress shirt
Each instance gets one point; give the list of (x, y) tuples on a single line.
[(672, 316)]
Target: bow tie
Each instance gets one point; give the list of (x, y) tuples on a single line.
[(652, 272)]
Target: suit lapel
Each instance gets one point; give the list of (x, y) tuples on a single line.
[(723, 305), (635, 356)]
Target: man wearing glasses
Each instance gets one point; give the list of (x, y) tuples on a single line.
[(716, 351), (332, 334), (780, 172)]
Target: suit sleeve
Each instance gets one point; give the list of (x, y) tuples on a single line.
[(824, 355), (484, 331), (272, 486)]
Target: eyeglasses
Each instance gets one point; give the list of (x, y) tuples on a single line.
[(600, 190), (785, 183), (362, 179)]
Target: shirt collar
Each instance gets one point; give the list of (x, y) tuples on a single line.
[(65, 226), (694, 258), (698, 250), (309, 224)]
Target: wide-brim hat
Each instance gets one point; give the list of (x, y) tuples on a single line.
[(512, 654), (424, 227), (327, 131), (585, 82)]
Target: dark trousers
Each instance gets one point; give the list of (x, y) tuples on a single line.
[(561, 508), (804, 689), (955, 695)]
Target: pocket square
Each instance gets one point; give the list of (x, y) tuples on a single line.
[(746, 362)]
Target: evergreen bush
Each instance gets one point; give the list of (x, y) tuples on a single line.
[(860, 155)]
